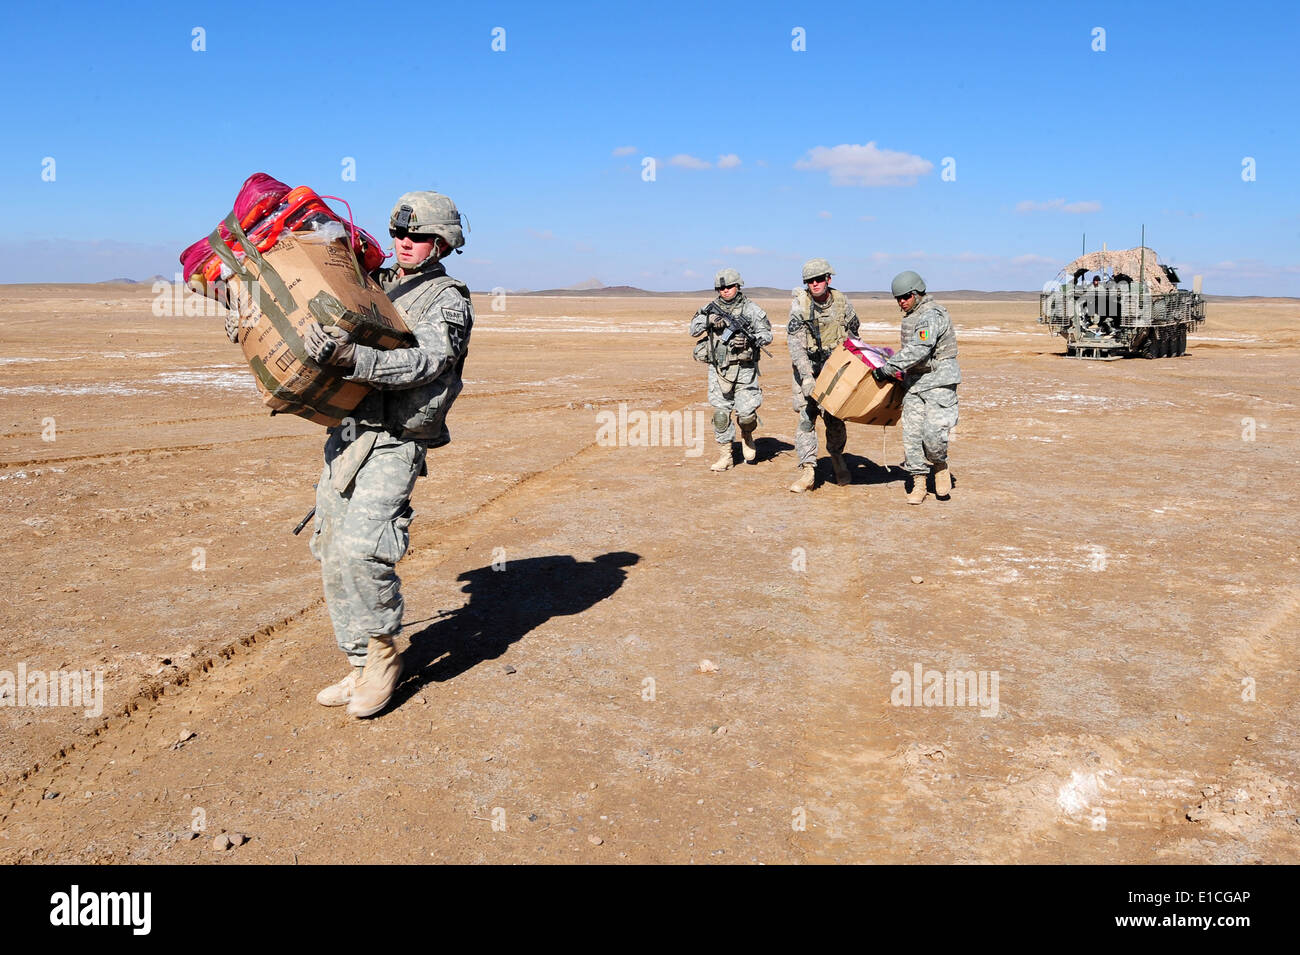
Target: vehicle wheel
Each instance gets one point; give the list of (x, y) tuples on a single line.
[(1149, 346), (1182, 340)]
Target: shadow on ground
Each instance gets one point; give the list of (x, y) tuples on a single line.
[(866, 471), (504, 605)]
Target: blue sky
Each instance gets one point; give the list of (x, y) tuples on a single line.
[(1047, 137)]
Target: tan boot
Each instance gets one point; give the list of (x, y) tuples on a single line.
[(807, 477), (918, 492), (942, 480), (724, 462), (336, 694), (841, 469), (747, 446), (378, 679)]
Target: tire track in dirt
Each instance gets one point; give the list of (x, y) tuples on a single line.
[(450, 535), (112, 457)]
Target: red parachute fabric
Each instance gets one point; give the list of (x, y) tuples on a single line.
[(265, 207)]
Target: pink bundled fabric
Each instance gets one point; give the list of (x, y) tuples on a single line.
[(259, 190), (873, 355), (258, 195)]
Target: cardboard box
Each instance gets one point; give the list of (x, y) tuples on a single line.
[(846, 390), (280, 292)]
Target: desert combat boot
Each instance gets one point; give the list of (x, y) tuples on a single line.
[(807, 477), (724, 462), (747, 446), (918, 493), (841, 469), (336, 694), (942, 480), (378, 678)]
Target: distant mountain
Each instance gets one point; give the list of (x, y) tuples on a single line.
[(591, 283)]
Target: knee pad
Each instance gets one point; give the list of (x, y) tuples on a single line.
[(721, 420), (747, 423)]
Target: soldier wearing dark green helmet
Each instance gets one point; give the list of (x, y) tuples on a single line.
[(927, 362), (363, 497), (734, 330)]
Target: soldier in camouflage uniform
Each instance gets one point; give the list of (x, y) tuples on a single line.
[(821, 318), (363, 499), (733, 364), (927, 362)]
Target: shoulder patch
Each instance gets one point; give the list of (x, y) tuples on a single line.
[(455, 312), (923, 333), (793, 327)]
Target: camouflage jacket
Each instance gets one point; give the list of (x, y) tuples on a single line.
[(817, 330), (927, 352), (741, 349), (415, 387)]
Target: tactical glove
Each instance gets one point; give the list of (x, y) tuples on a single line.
[(717, 323), (882, 375), (329, 346)]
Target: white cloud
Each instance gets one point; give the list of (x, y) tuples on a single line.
[(866, 218), (850, 164), (728, 161), (545, 234), (624, 151), (743, 250), (690, 273), (689, 162), (823, 214), (1058, 205)]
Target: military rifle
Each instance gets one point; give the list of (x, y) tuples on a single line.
[(733, 325)]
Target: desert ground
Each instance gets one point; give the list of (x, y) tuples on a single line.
[(615, 655)]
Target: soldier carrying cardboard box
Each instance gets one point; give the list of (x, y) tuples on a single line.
[(363, 498), (927, 362)]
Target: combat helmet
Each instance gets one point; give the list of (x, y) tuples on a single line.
[(815, 267), (426, 214), (727, 277), (907, 282)]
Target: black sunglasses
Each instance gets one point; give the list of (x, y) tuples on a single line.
[(817, 278)]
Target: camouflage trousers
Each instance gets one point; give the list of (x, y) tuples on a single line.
[(362, 529), (927, 418), (742, 395), (805, 434)]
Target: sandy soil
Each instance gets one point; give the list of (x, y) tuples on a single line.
[(1120, 553)]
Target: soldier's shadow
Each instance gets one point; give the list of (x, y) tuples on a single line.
[(503, 606), (865, 471), (769, 448)]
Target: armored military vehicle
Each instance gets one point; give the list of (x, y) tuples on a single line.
[(1113, 304)]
